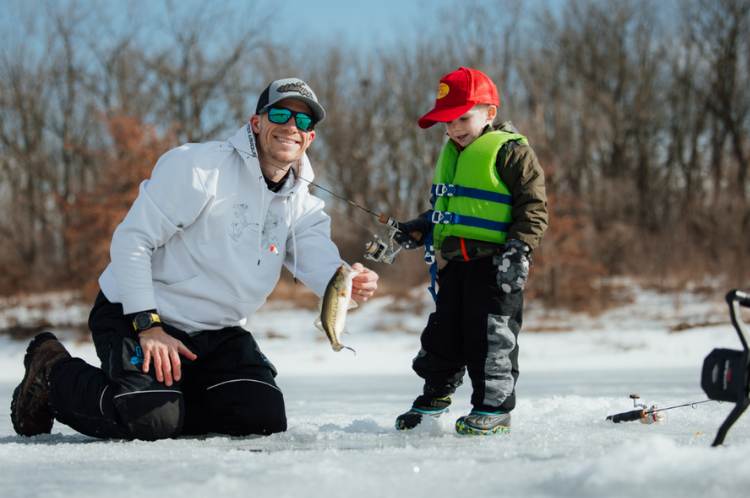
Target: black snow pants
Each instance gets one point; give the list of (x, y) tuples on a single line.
[(475, 326), (228, 389)]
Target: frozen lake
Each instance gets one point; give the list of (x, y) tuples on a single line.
[(341, 442), (341, 409)]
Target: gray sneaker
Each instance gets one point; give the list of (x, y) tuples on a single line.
[(29, 409), (478, 423)]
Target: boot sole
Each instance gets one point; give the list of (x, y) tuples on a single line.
[(35, 343), (469, 430)]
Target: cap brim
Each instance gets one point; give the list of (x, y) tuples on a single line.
[(443, 115)]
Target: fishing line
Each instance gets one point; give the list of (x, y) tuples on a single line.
[(331, 192), (680, 406), (378, 249)]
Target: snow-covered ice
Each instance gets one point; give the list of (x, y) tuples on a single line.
[(341, 409)]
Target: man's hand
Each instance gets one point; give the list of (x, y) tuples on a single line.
[(364, 284), (513, 266), (165, 350), (412, 233)]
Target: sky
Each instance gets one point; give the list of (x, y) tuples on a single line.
[(362, 24), (354, 25), (380, 22), (371, 25)]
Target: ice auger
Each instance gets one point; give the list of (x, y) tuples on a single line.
[(726, 372)]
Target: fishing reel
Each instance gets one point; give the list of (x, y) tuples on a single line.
[(642, 413), (726, 372), (384, 250)]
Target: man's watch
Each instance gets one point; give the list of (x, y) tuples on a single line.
[(146, 320)]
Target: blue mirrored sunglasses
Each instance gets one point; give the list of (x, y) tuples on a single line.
[(281, 115)]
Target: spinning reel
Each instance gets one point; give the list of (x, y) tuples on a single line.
[(384, 250), (642, 412)]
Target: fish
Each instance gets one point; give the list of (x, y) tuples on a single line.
[(336, 302)]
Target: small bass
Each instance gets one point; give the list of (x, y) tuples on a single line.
[(336, 302)]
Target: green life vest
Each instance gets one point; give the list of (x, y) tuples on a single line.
[(471, 201)]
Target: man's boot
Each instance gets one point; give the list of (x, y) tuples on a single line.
[(423, 406), (29, 410), (479, 423)]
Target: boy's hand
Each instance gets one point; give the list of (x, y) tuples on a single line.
[(411, 233), (513, 266)]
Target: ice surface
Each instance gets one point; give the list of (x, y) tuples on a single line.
[(341, 409)]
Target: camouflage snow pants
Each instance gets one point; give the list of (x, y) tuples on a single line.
[(475, 327)]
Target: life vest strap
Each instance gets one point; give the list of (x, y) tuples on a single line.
[(450, 190), (448, 218)]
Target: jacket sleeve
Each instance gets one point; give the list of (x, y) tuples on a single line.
[(521, 172), (309, 243), (168, 202)]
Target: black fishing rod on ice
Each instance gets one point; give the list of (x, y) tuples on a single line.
[(648, 415)]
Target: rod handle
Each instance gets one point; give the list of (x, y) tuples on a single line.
[(626, 416)]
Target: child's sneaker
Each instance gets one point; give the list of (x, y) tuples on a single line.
[(423, 405), (478, 423)]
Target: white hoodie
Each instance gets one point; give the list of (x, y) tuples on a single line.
[(205, 239)]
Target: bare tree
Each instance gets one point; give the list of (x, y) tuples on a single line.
[(190, 71), (720, 31)]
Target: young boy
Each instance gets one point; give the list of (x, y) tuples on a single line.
[(489, 213)]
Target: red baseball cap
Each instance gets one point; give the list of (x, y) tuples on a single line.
[(458, 92)]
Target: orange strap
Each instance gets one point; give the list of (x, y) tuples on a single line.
[(463, 249)]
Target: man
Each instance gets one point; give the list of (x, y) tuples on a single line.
[(197, 254)]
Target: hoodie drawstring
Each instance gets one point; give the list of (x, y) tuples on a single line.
[(263, 221), (294, 235), (294, 251)]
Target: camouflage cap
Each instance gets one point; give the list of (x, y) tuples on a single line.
[(290, 88)]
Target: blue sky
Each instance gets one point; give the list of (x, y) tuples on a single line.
[(359, 24)]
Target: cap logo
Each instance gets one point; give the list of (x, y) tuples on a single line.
[(296, 87), (443, 90)]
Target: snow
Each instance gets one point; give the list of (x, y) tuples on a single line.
[(341, 409)]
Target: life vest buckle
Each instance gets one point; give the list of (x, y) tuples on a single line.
[(429, 254), (444, 190), (444, 217)]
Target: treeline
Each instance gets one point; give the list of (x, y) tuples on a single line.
[(639, 112)]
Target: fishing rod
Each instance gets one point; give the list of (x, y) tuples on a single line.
[(378, 249), (648, 415)]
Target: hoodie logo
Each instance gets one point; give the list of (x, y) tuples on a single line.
[(270, 235), (239, 221), (251, 139)]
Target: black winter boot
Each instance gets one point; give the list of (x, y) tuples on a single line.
[(29, 409), (423, 405)]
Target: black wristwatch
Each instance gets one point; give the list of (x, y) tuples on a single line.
[(145, 320)]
